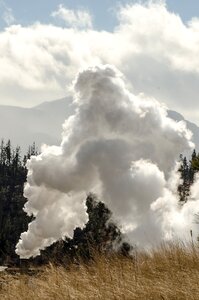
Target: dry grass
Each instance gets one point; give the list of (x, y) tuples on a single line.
[(171, 272)]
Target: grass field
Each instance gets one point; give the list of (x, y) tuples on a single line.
[(170, 272)]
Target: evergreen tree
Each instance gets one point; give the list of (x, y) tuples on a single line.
[(183, 189), (13, 219), (187, 172)]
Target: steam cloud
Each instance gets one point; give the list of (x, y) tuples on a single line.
[(122, 147)]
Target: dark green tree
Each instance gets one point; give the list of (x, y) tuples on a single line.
[(188, 170), (13, 219)]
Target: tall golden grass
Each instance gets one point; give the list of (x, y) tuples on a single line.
[(170, 272)]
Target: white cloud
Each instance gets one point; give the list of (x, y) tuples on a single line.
[(73, 18), (154, 49)]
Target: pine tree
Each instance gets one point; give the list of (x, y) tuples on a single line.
[(187, 172)]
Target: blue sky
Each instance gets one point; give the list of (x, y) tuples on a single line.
[(26, 12)]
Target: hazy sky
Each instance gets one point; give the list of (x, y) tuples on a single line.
[(43, 44)]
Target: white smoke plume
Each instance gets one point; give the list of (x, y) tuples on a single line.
[(122, 147)]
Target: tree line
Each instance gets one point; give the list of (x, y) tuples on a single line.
[(13, 219)]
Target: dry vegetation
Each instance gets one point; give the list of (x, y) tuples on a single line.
[(171, 272)]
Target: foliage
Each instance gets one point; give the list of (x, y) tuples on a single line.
[(188, 170), (13, 219)]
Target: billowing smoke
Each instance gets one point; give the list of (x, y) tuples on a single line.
[(122, 147)]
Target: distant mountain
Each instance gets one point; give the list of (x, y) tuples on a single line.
[(43, 123), (191, 126)]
